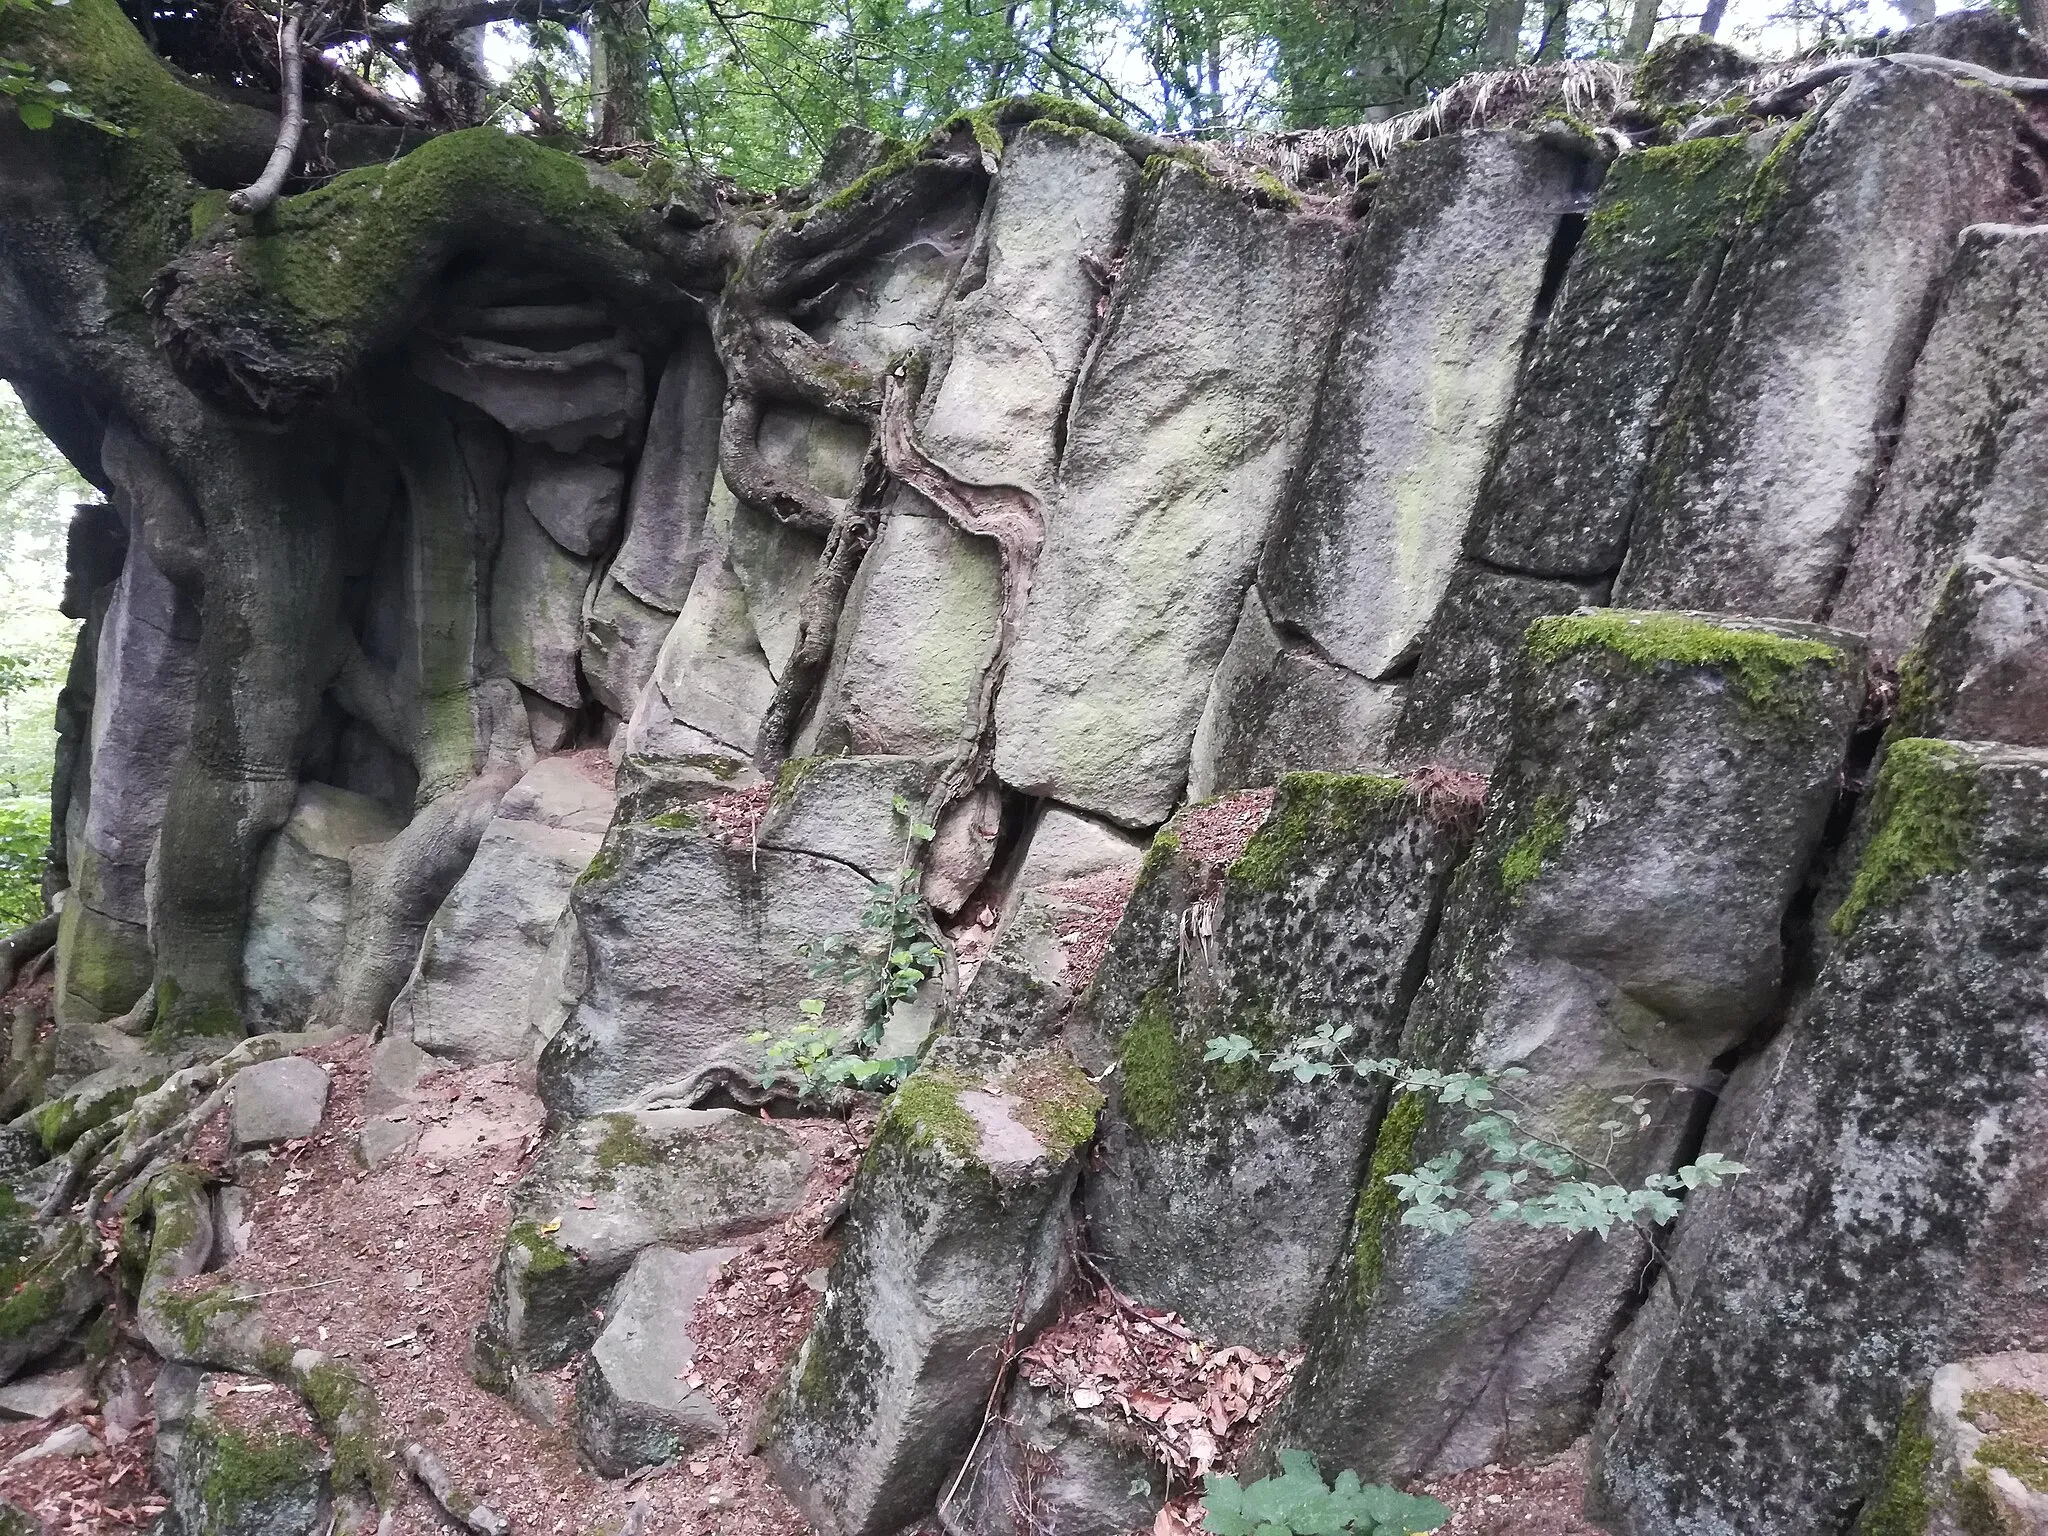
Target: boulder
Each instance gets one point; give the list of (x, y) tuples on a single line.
[(249, 1464), (577, 501), (1008, 349), (1442, 288), (602, 1190), (1454, 710), (1980, 669), (1575, 445), (472, 987), (634, 1404), (46, 1396), (1066, 845), (1277, 706), (955, 1237), (1617, 928), (49, 1282), (1165, 494), (672, 482), (1225, 1193), (1048, 1466), (1973, 448), (843, 809), (593, 392), (1781, 418), (16, 1521), (298, 906), (918, 630), (692, 946), (622, 639), (281, 1100), (1890, 1220), (1982, 1454), (537, 608)]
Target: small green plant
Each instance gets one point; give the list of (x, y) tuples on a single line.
[(39, 103), (24, 840), (885, 962), (1534, 1177), (1299, 1503)]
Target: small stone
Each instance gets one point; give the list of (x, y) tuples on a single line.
[(71, 1440), (277, 1101), (46, 1396), (637, 1400)]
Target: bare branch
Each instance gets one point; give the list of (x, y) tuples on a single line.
[(291, 121)]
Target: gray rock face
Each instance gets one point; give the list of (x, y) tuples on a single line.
[(1010, 348), (711, 681), (1616, 929), (1441, 292), (46, 1396), (1980, 671), (1074, 1472), (1778, 424), (1065, 845), (692, 946), (1973, 449), (578, 501), (482, 960), (919, 628), (842, 808), (1326, 919), (1573, 449), (955, 1232), (1164, 495), (634, 1404), (298, 909), (537, 608), (594, 391), (279, 1100), (1455, 708), (622, 639), (672, 484), (682, 1178), (1277, 707), (1890, 1219)]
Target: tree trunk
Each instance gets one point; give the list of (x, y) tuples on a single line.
[(1710, 20), (1500, 43), (620, 62), (1642, 28)]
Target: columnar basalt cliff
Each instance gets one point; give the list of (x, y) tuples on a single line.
[(1574, 599)]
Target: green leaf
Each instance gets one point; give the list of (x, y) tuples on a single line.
[(34, 113)]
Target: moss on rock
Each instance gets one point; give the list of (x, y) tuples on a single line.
[(1149, 1062), (926, 1111), (1393, 1151), (1926, 818), (1900, 1504), (1543, 836), (1311, 810), (1760, 664)]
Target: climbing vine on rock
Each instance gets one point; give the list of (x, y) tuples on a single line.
[(1530, 1173)]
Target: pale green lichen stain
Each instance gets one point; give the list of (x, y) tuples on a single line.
[(1310, 810), (1928, 814), (1393, 1151), (1760, 664), (624, 1145), (1899, 1507), (1544, 835)]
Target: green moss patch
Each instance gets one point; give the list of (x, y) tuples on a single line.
[(1312, 811), (624, 1145), (1899, 1506), (1926, 818), (1149, 1062), (248, 1467), (191, 1313), (926, 1111), (1060, 1101), (542, 1256), (1668, 203), (1543, 836), (1762, 666), (2015, 1426), (1379, 1204)]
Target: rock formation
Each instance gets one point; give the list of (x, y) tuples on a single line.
[(557, 607)]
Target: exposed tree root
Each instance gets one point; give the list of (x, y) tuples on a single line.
[(24, 945), (428, 1471), (1789, 100)]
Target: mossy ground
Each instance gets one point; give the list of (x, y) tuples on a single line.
[(1926, 817), (1766, 669)]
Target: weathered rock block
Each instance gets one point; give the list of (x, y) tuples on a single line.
[(1973, 449), (537, 591), (470, 992), (1225, 1194), (955, 1235), (682, 1178), (1574, 447), (672, 483), (298, 908), (577, 501), (1164, 495), (691, 946), (595, 391), (279, 1100), (1441, 293), (1616, 929), (1046, 1466), (1980, 669), (249, 1464), (1891, 1219), (1455, 708), (842, 808), (634, 1404), (1778, 425), (1277, 707)]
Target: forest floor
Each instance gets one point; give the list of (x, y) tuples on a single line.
[(389, 1268)]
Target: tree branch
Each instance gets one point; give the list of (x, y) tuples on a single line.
[(291, 122)]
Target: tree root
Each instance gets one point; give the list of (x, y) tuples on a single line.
[(1789, 99), (427, 1469), (24, 945)]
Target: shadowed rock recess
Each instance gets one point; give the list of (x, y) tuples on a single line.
[(1570, 599)]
